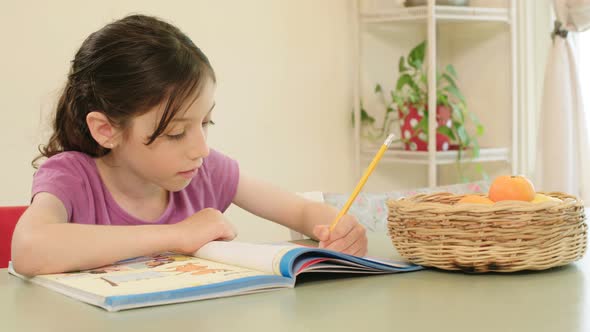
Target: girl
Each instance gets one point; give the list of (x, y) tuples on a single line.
[(129, 172)]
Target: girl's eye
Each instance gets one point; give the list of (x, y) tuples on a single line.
[(177, 136), (208, 123)]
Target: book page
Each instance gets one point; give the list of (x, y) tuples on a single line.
[(162, 272), (262, 257)]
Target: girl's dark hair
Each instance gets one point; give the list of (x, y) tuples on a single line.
[(123, 70)]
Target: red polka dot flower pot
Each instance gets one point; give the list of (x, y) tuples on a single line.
[(413, 127)]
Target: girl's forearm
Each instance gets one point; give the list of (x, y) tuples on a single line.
[(315, 213), (55, 248)]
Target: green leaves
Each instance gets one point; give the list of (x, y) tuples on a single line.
[(402, 65), (449, 80), (447, 132), (404, 80), (475, 147), (366, 118), (451, 70), (479, 129), (416, 56), (462, 133), (457, 114), (422, 124), (454, 91)]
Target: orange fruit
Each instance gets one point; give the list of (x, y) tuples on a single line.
[(511, 187), (475, 199)]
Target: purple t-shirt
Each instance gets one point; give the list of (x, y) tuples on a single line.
[(73, 177)]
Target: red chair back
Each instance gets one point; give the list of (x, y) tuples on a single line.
[(9, 216)]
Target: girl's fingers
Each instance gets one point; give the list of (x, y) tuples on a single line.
[(322, 232), (338, 245), (356, 233), (360, 243), (360, 253), (340, 231)]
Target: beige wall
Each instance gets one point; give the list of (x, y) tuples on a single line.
[(283, 98)]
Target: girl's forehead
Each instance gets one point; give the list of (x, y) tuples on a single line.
[(194, 108), (199, 103)]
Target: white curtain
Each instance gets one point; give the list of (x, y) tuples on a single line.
[(563, 154)]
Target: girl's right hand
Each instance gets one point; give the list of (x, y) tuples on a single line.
[(202, 227)]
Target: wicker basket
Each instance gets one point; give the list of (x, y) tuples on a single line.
[(508, 236)]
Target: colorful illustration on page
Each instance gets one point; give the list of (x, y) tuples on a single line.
[(195, 269), (115, 280)]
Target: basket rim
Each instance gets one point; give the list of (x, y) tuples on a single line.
[(417, 202)]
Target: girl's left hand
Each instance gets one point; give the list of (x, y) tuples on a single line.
[(349, 236)]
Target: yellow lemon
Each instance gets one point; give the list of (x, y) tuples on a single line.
[(540, 198)]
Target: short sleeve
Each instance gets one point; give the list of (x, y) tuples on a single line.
[(224, 175), (59, 176)]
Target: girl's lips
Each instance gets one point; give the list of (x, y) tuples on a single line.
[(189, 174)]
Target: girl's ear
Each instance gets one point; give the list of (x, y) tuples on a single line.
[(102, 130)]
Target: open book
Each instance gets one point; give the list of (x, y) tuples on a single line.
[(218, 269)]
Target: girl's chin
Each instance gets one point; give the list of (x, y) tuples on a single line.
[(178, 186)]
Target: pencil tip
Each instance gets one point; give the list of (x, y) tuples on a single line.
[(389, 139)]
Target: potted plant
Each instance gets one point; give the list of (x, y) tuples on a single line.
[(407, 105)]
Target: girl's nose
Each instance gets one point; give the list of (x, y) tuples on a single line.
[(198, 147)]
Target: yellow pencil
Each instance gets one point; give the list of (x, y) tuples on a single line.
[(364, 178)]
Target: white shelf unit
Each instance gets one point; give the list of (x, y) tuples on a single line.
[(441, 13), (432, 15), (441, 157)]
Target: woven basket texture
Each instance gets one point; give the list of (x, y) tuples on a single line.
[(431, 230)]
